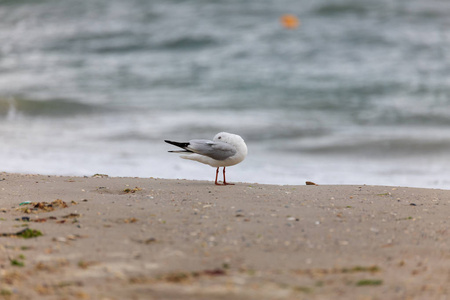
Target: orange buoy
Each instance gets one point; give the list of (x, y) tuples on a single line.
[(289, 21)]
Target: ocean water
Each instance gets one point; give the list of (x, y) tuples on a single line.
[(359, 93)]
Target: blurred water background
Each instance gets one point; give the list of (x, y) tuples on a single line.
[(359, 93)]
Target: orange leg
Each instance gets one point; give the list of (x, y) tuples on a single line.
[(217, 174), (224, 181)]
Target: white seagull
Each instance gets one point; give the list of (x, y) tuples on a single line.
[(226, 149)]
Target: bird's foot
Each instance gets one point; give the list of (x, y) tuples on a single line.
[(225, 183)]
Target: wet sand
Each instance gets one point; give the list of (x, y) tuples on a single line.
[(136, 238)]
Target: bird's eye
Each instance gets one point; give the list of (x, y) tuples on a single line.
[(219, 137)]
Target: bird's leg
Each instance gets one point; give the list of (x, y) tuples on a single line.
[(224, 181), (217, 174)]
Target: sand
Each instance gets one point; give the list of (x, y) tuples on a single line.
[(135, 238)]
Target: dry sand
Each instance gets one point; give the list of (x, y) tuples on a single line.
[(134, 238)]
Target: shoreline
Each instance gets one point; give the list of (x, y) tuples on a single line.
[(303, 183), (147, 238)]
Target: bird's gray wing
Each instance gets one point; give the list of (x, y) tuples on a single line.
[(215, 150)]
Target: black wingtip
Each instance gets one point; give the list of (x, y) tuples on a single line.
[(170, 142), (180, 151), (181, 145)]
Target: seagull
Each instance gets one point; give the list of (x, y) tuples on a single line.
[(226, 149)]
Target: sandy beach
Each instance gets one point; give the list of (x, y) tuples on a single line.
[(143, 238)]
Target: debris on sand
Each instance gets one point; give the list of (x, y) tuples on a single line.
[(26, 233), (132, 191), (310, 183), (36, 207), (100, 176)]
